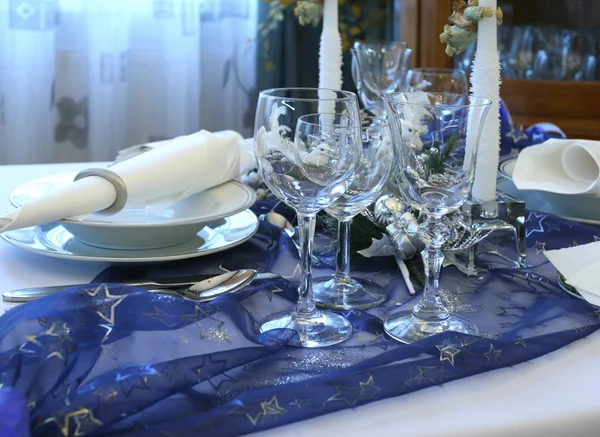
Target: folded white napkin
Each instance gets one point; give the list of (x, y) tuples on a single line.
[(560, 166), (580, 265), (184, 166)]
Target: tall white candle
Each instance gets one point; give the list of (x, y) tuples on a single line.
[(485, 82), (330, 52)]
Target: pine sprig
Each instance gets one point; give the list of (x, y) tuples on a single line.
[(362, 231), (435, 161)]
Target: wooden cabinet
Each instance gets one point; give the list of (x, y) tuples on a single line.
[(573, 105)]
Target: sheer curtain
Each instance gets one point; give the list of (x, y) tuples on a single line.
[(81, 79)]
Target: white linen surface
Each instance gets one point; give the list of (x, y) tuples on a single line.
[(580, 265), (184, 166), (560, 166)]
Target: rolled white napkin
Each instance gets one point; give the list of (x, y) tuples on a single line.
[(560, 166), (184, 166), (580, 265)]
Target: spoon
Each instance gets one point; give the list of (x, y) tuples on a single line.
[(211, 288)]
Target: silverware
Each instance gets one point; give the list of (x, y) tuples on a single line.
[(27, 294), (214, 287)]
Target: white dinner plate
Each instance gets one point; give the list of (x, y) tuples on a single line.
[(583, 208), (55, 241), (136, 228)]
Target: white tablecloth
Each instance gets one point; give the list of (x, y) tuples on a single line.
[(555, 395)]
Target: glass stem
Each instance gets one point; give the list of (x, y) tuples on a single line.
[(306, 228), (342, 258), (430, 308)]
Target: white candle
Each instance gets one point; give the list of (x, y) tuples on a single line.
[(485, 82), (330, 53)]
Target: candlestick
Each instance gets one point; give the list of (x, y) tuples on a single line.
[(330, 52), (485, 81)]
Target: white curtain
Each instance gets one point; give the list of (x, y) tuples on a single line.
[(82, 79)]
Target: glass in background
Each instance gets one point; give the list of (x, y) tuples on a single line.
[(343, 291), (378, 68), (443, 80)]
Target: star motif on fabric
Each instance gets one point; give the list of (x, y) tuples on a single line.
[(580, 329), (301, 403), (105, 395), (596, 238), (169, 320), (199, 312), (256, 411), (211, 367), (83, 419), (521, 342), (270, 291), (272, 407), (535, 223), (447, 353), (516, 311), (516, 133), (297, 272), (553, 226), (104, 302), (134, 377), (353, 395), (211, 329), (503, 294), (103, 343), (250, 368), (540, 247), (493, 354), (424, 373), (55, 341)]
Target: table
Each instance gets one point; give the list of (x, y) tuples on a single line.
[(555, 395)]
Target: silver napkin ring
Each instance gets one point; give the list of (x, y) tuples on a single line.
[(114, 179)]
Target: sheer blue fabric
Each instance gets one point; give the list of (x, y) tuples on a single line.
[(111, 360)]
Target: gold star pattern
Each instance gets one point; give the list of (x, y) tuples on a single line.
[(169, 320), (103, 345), (272, 407), (105, 302), (55, 340), (447, 353), (208, 331), (297, 271), (353, 395), (423, 373), (552, 226), (301, 403), (83, 419), (493, 354), (105, 395), (268, 407)]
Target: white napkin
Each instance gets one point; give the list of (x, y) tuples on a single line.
[(580, 265), (560, 166), (184, 166)]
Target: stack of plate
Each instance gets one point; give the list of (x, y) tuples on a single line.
[(584, 208), (208, 222)]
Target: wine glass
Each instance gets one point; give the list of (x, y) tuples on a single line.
[(307, 164), (442, 80), (342, 291), (436, 136), (378, 68)]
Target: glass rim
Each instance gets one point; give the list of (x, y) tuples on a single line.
[(380, 42), (269, 93), (437, 70), (317, 114), (389, 97)]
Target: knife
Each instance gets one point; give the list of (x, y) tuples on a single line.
[(27, 294)]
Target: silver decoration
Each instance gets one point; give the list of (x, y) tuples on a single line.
[(388, 209)]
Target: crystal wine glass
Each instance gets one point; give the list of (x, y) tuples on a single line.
[(436, 135), (439, 80), (378, 68), (342, 291), (307, 164)]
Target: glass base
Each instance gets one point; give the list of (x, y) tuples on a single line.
[(503, 223), (317, 329), (358, 293), (407, 328)]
